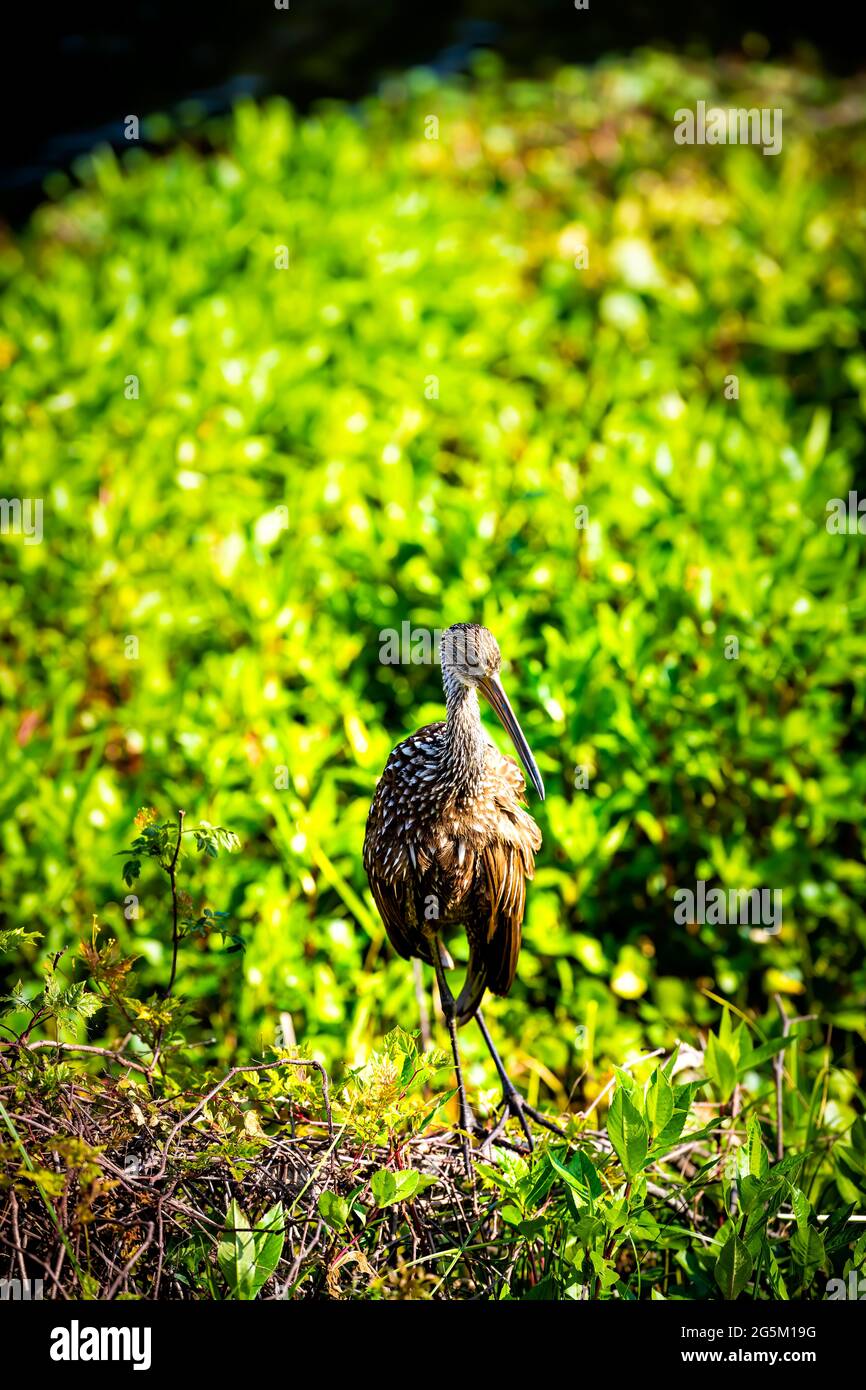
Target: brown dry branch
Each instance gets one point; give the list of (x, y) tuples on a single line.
[(108, 1192)]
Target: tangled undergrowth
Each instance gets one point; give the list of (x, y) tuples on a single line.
[(123, 1183), (127, 1170)]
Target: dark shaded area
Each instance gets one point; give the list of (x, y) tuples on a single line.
[(82, 68)]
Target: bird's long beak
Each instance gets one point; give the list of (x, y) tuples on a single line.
[(491, 689)]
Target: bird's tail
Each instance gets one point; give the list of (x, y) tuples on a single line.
[(469, 999)]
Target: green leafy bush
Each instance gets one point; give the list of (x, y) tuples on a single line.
[(493, 383)]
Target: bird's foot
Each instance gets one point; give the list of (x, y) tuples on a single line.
[(513, 1104)]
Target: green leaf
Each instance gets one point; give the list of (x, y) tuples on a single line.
[(684, 1095), (16, 1002), (269, 1240), (334, 1210), (659, 1101), (579, 1175), (668, 1067), (730, 1036), (383, 1185), (759, 1162), (532, 1228), (761, 1054), (572, 1179), (644, 1226), (589, 1230), (777, 1282), (857, 1136), (236, 1253), (807, 1248), (836, 1235), (587, 1171), (493, 1175), (13, 938), (721, 1068), (627, 1083), (669, 1137), (607, 1275), (733, 1267), (390, 1186), (627, 1132), (70, 1004), (802, 1209), (752, 1191), (511, 1214), (131, 871), (514, 1168), (249, 1256)]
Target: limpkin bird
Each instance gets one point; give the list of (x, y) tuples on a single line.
[(449, 846)]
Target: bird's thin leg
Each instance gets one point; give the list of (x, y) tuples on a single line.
[(421, 1000), (513, 1103), (446, 999)]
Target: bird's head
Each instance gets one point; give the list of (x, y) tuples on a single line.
[(470, 652), (471, 658)]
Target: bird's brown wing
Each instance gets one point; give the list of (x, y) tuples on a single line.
[(394, 901), (394, 837), (390, 898), (505, 869)]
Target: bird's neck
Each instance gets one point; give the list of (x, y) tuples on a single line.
[(464, 736)]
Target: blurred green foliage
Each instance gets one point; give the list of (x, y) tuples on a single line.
[(400, 427)]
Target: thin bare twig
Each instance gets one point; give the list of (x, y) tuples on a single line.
[(50, 1045), (172, 874), (238, 1071)]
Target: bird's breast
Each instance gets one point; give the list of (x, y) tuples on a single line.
[(430, 824)]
